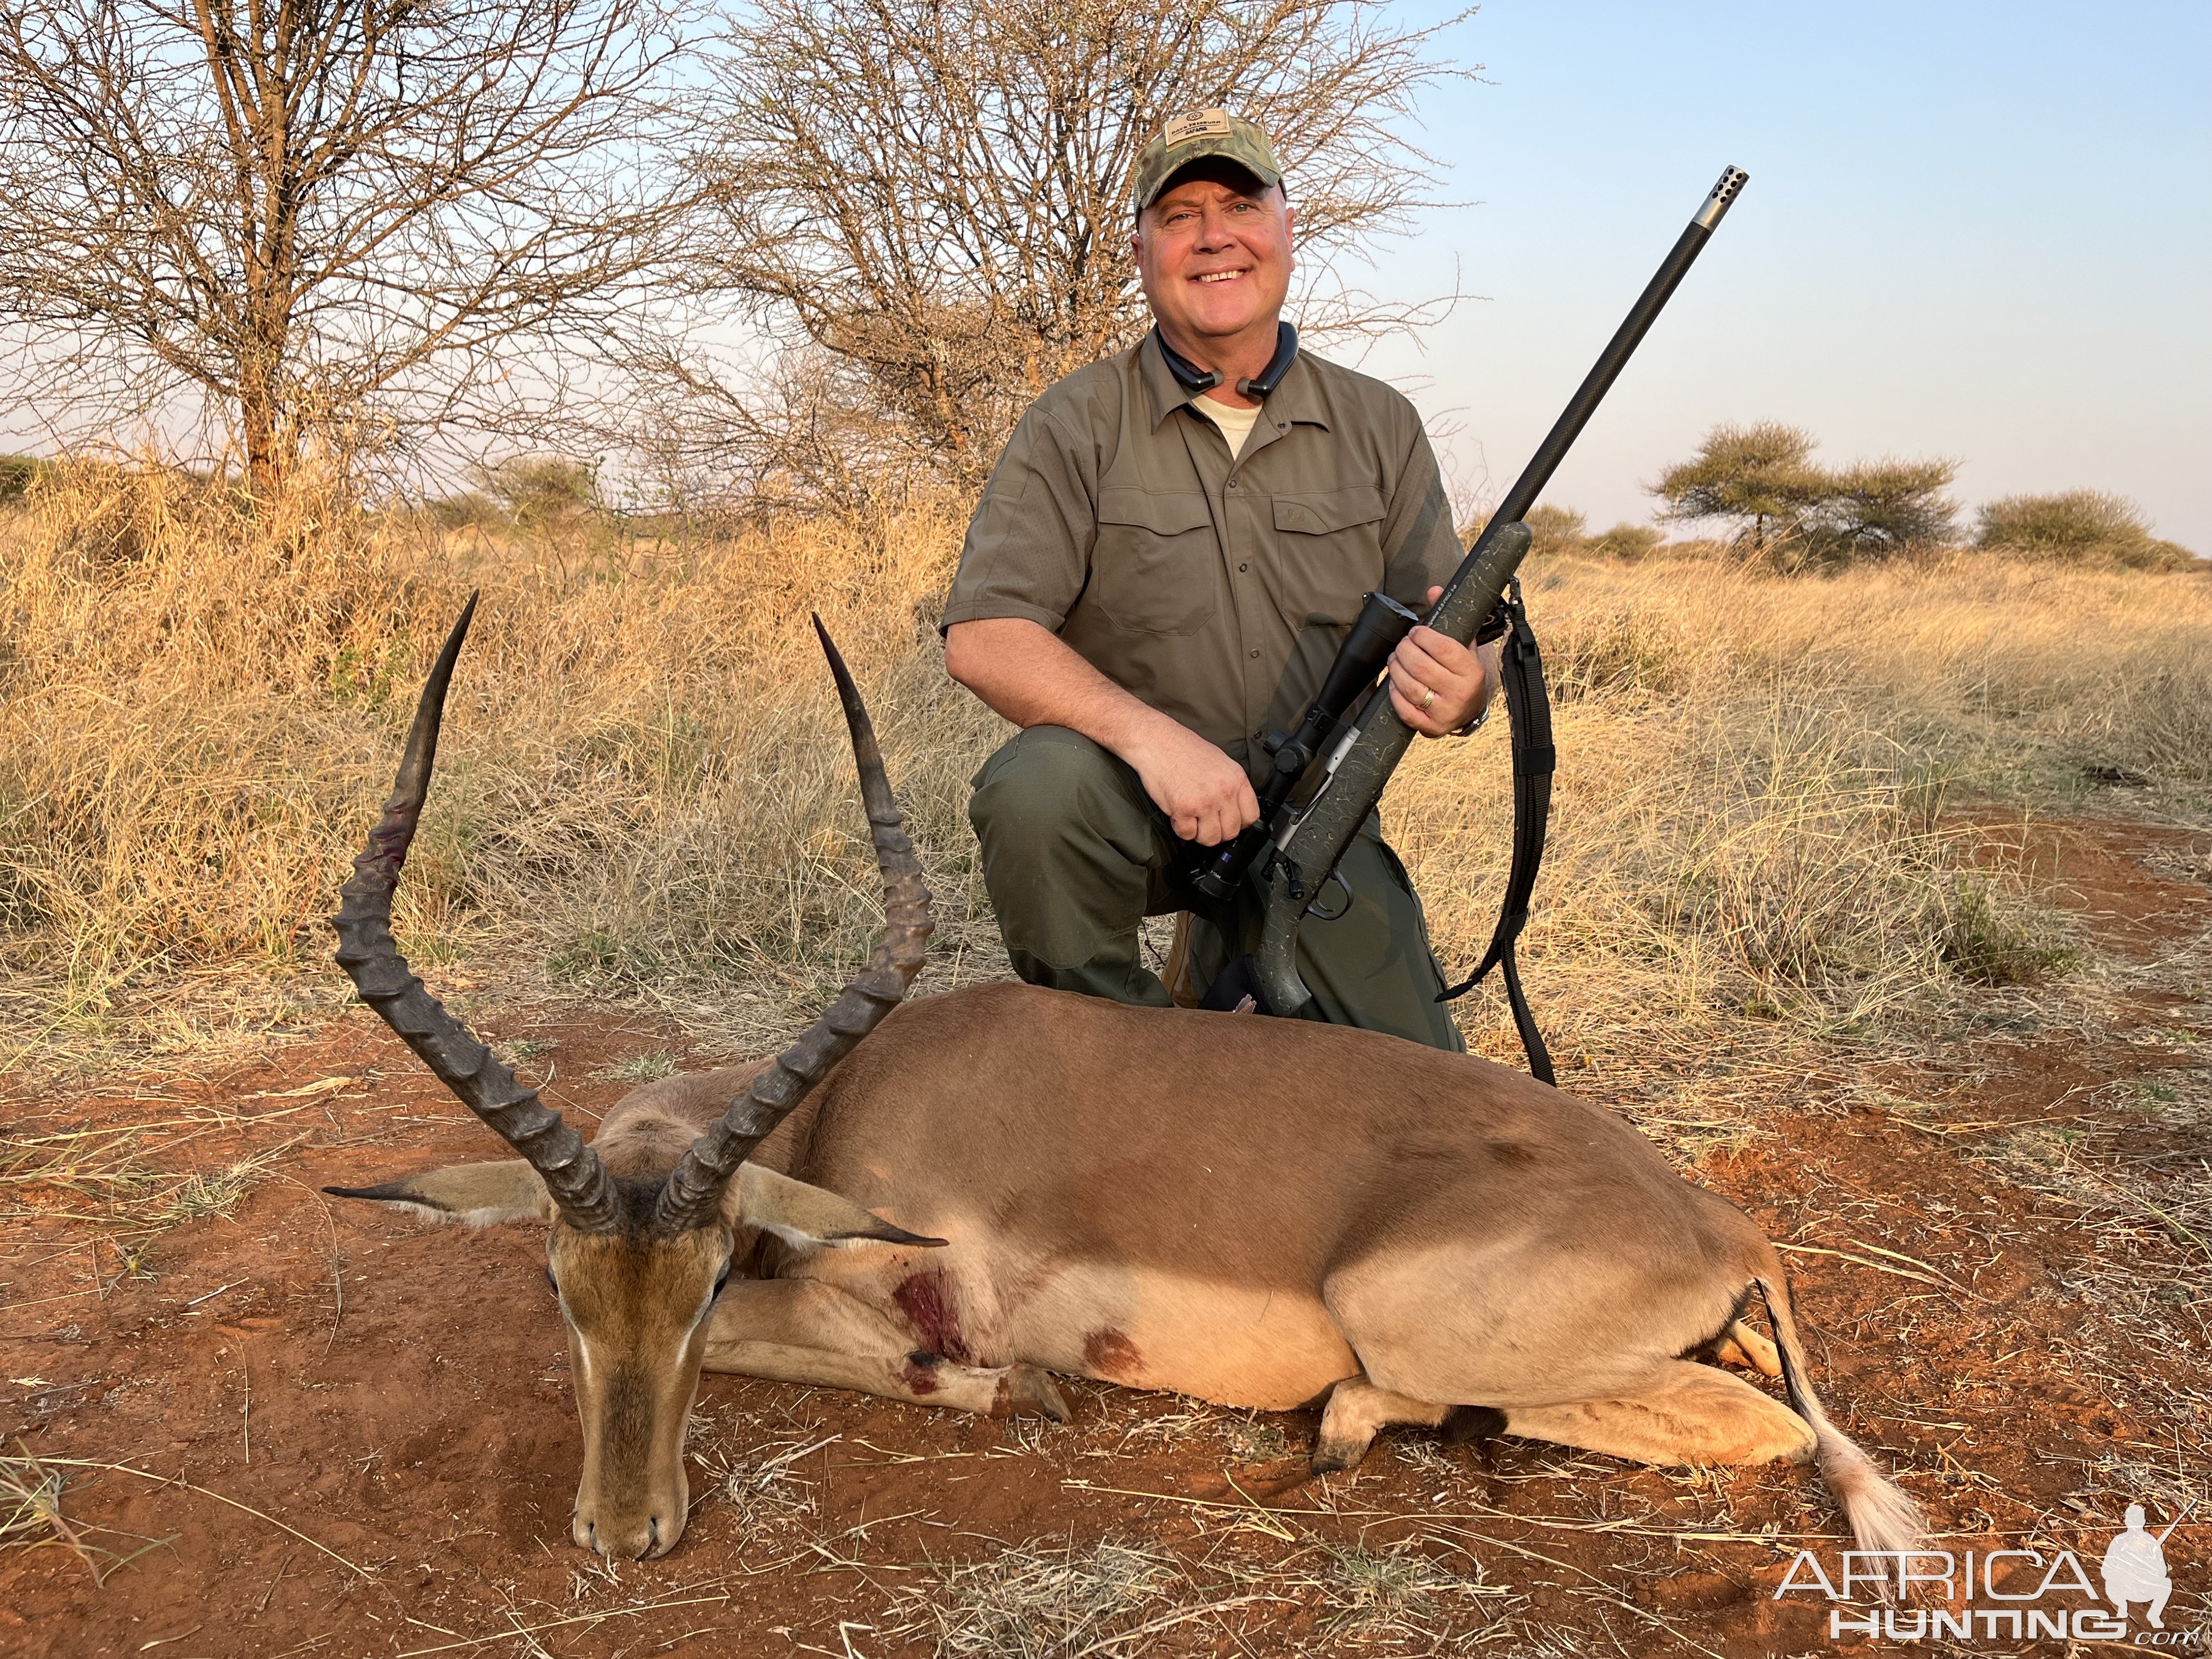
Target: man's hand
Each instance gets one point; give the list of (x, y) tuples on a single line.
[(1205, 793), (1437, 684), (1032, 677)]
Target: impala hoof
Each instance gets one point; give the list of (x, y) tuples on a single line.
[(1335, 1457), (1025, 1391)]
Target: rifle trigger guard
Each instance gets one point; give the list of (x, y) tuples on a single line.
[(1318, 914)]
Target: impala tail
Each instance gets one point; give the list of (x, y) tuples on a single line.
[(1881, 1516)]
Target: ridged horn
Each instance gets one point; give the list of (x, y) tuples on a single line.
[(694, 1194), (366, 951)]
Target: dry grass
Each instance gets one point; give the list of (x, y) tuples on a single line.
[(642, 1068), (644, 782), (760, 1483), (31, 1515), (1034, 1601), (2149, 1211), (31, 1509), (1749, 851), (644, 791), (1395, 1595), (1037, 1601), (123, 1179)]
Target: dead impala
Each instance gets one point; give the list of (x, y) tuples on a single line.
[(1007, 1182)]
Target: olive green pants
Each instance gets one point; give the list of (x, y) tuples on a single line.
[(1075, 854)]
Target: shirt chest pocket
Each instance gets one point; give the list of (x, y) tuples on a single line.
[(1328, 551), (1155, 569)]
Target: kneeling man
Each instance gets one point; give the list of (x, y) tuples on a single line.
[(1160, 573)]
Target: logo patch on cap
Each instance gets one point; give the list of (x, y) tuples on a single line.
[(1197, 124)]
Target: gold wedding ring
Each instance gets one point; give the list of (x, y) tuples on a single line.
[(1426, 700)]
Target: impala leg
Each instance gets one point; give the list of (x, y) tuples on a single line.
[(1356, 1411), (1688, 1413), (800, 1330), (1740, 1345)]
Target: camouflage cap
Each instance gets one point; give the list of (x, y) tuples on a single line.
[(1194, 135)]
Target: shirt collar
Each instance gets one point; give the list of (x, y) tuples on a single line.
[(1296, 399)]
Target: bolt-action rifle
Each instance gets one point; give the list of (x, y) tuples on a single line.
[(1290, 854)]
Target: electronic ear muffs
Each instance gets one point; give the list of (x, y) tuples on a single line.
[(1193, 380)]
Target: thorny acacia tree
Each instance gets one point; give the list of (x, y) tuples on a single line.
[(1761, 477), (934, 194), (1788, 510), (304, 223)]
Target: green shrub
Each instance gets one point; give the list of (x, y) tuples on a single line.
[(540, 491), (1562, 530), (16, 473), (1625, 541), (2081, 526), (1555, 529), (470, 510), (1983, 944), (2075, 521), (1551, 529)]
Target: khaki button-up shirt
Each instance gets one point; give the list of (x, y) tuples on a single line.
[(1215, 590)]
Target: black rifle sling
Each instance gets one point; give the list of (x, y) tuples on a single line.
[(1528, 707)]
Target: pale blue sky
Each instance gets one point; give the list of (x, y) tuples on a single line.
[(1975, 230)]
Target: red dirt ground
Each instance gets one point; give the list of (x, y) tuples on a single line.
[(348, 1434)]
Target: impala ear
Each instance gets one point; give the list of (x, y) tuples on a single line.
[(475, 1195), (800, 1214)]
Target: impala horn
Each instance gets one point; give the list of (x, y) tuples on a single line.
[(573, 1174), (694, 1194)]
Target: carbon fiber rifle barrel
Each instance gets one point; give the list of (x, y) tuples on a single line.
[(1326, 827)]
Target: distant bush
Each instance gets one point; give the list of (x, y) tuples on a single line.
[(2081, 526), (1625, 541), (1792, 513), (1555, 529), (1879, 506), (470, 510), (1562, 530), (534, 493), (16, 472), (543, 490)]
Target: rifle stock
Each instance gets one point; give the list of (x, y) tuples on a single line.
[(1314, 845)]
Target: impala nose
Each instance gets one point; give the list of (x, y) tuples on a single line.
[(625, 1540)]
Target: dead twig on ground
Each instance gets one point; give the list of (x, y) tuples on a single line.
[(179, 1482)]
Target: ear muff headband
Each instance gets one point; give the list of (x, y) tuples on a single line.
[(1193, 380)]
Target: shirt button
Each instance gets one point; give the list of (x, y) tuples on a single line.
[(1232, 483), (1243, 566), (1255, 655)]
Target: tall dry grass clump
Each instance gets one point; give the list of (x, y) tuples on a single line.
[(645, 791), (1749, 845), (644, 781)]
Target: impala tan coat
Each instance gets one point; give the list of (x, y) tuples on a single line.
[(945, 1202)]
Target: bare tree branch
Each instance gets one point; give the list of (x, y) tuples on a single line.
[(317, 223), (936, 193)]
